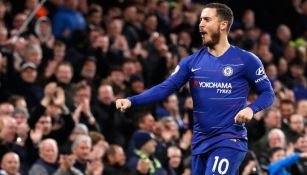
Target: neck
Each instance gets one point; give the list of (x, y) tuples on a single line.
[(220, 48)]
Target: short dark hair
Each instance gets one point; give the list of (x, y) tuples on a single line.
[(223, 11)]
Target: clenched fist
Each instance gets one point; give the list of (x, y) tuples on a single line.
[(123, 104), (244, 115)]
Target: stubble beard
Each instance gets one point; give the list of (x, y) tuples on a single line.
[(215, 37)]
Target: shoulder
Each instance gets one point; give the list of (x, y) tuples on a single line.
[(37, 169), (194, 57), (245, 55)]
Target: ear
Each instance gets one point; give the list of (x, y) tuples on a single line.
[(224, 25)]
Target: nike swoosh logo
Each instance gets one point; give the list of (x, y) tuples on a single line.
[(193, 70)]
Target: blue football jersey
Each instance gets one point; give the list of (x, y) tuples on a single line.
[(219, 87)]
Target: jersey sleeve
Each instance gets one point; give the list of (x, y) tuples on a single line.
[(256, 76), (159, 92)]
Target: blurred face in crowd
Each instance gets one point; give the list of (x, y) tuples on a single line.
[(301, 144), (64, 73), (287, 109), (174, 155), (273, 119), (8, 132), (265, 39), (2, 10), (137, 86), (147, 123), (271, 71), (95, 18), (102, 42), (82, 150), (49, 152), (115, 27), (185, 38), (11, 163), (117, 77), (149, 147), (129, 69), (19, 19), (34, 56), (302, 108), (44, 28), (130, 14), (45, 124), (31, 4), (82, 94), (278, 155), (105, 94), (20, 118), (3, 35), (21, 103), (296, 123), (89, 69), (248, 18), (297, 71), (284, 33), (29, 75), (6, 109), (119, 157), (172, 104), (282, 66), (276, 140), (151, 23), (289, 53), (59, 53)]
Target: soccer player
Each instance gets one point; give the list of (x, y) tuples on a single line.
[(219, 75)]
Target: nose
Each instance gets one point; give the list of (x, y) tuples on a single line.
[(202, 24)]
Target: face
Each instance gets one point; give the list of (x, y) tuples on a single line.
[(6, 109), (120, 156), (82, 150), (82, 94), (150, 147), (276, 140), (174, 156), (302, 108), (64, 74), (45, 124), (105, 94), (148, 123), (19, 20), (20, 118), (11, 163), (49, 152), (209, 27), (129, 68), (286, 110), (89, 69), (59, 53), (301, 144), (44, 28), (9, 130), (29, 75), (117, 76), (278, 155), (296, 123), (95, 18)]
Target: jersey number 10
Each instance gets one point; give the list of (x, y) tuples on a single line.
[(220, 164)]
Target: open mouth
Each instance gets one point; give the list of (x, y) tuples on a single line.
[(203, 34)]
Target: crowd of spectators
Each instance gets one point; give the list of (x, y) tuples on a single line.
[(60, 77)]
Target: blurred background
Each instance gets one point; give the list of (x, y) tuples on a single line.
[(64, 63)]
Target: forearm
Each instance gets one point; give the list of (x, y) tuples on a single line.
[(154, 94), (265, 100)]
